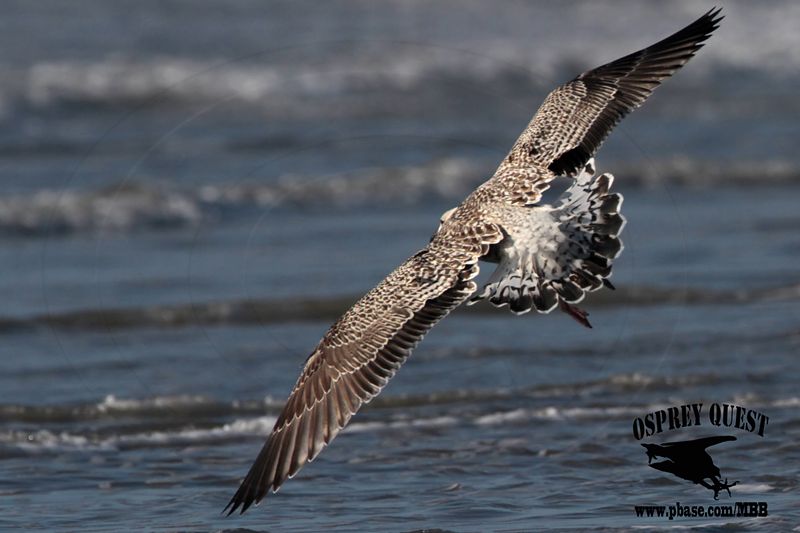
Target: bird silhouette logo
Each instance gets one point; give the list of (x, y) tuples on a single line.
[(690, 460)]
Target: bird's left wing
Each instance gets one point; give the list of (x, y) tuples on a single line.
[(362, 351)]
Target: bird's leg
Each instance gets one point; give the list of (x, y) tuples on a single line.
[(575, 312)]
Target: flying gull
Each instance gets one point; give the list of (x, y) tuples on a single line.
[(548, 255)]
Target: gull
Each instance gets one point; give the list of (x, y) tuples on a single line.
[(547, 256)]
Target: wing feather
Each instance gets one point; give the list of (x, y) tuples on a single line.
[(575, 118), (358, 356)]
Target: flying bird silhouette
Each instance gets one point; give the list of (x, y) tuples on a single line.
[(689, 460), (548, 255)]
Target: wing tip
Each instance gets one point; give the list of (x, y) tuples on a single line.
[(233, 505), (713, 15), (255, 485), (703, 27), (244, 498), (695, 34)]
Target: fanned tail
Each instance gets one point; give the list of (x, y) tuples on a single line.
[(568, 254)]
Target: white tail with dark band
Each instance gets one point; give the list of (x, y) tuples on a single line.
[(560, 252)]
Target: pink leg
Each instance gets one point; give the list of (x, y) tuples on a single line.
[(575, 312)]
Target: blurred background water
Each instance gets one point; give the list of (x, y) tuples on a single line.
[(192, 192)]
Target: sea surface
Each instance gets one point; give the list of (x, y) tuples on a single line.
[(192, 192)]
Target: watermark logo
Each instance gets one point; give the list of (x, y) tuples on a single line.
[(691, 459)]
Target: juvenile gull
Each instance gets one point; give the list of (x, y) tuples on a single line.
[(548, 255)]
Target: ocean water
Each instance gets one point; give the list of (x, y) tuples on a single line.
[(192, 192)]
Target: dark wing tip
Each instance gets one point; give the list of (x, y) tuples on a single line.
[(701, 29), (666, 56), (697, 32), (634, 77), (244, 498), (714, 16), (694, 34), (254, 486), (710, 18)]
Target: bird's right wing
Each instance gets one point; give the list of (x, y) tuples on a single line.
[(575, 118), (362, 351)]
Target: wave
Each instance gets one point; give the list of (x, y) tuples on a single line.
[(187, 407), (308, 309), (280, 76), (44, 439), (273, 83), (169, 420), (135, 206), (111, 407), (140, 205), (52, 211), (182, 407)]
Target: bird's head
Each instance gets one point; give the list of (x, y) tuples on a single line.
[(446, 216)]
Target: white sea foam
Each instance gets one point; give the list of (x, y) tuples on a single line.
[(792, 401), (44, 440), (260, 426), (107, 209), (111, 403), (563, 413), (253, 426), (534, 49), (749, 488), (440, 421), (139, 205)]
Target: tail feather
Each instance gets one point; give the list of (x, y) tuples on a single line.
[(569, 254)]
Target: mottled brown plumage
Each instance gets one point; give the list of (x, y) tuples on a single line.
[(500, 222)]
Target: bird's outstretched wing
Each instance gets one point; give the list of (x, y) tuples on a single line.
[(574, 119), (363, 350)]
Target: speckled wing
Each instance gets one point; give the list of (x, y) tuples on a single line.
[(363, 350), (575, 118)]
